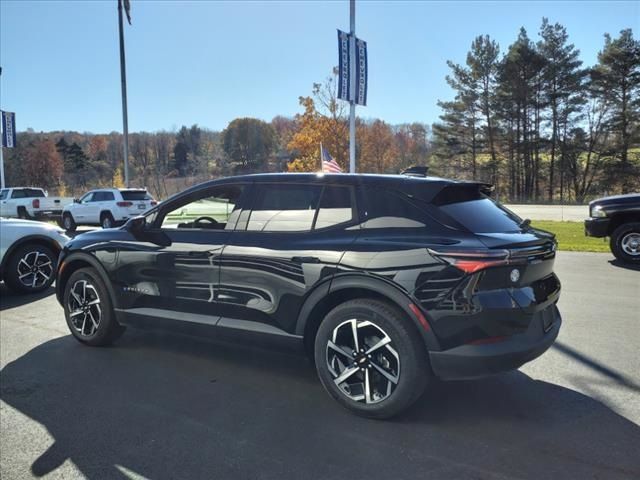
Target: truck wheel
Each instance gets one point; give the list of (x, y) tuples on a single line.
[(22, 213), (106, 220), (625, 242), (370, 359), (68, 223), (30, 269)]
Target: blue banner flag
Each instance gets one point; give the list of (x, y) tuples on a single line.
[(344, 57), (361, 72), (8, 129)]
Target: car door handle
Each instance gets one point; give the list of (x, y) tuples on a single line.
[(305, 260)]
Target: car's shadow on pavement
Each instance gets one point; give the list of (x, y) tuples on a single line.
[(627, 266), (175, 407), (10, 299)]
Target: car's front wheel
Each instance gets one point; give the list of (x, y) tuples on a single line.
[(88, 309), (625, 242), (370, 358), (31, 268)]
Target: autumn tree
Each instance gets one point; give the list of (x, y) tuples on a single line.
[(323, 121), (43, 164)]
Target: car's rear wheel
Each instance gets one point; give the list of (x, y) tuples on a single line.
[(625, 242), (31, 268), (370, 358), (88, 309), (68, 223), (106, 220)]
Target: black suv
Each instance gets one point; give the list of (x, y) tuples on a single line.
[(386, 281)]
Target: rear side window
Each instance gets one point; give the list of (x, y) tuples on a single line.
[(336, 206), (103, 196), (388, 209), (284, 208), (3, 194), (136, 195)]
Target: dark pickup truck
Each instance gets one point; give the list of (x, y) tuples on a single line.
[(617, 217)]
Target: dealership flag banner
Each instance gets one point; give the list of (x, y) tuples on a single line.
[(361, 72), (8, 129), (344, 57)]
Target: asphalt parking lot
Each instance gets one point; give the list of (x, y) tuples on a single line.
[(155, 406)]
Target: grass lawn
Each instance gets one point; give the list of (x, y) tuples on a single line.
[(571, 236)]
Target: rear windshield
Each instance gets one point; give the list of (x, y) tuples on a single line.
[(136, 195), (28, 193), (481, 215)]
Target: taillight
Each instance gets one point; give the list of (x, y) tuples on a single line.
[(35, 203), (124, 204), (153, 203), (471, 261)]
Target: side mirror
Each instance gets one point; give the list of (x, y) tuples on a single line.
[(76, 200), (136, 225)]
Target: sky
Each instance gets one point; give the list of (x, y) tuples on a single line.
[(208, 62)]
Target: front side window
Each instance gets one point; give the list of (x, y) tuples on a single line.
[(213, 209), (87, 197), (284, 208)]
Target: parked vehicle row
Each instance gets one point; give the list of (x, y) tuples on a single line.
[(106, 207), (386, 281), (30, 203)]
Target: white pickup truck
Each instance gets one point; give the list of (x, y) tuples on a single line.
[(31, 203)]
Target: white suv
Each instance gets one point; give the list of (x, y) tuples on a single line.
[(106, 207)]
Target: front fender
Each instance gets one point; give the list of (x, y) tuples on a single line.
[(68, 259)]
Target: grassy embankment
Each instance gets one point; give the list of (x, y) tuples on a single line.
[(571, 236)]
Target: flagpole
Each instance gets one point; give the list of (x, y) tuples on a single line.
[(321, 156), (123, 82), (352, 87)]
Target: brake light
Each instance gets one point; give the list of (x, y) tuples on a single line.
[(153, 203), (471, 261), (124, 204), (35, 203)]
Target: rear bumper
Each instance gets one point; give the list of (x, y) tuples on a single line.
[(596, 227), (472, 361)]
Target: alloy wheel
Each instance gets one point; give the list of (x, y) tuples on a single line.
[(84, 308), (35, 269), (630, 244), (106, 222), (67, 222), (362, 361)]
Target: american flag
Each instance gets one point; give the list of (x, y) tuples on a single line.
[(329, 165)]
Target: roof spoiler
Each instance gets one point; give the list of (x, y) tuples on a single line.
[(415, 171)]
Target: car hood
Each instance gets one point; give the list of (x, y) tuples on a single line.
[(628, 199), (28, 224)]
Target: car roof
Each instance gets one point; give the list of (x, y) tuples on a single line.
[(423, 187)]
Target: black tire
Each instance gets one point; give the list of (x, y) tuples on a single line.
[(624, 242), (33, 262), (81, 325), (106, 220), (68, 223), (22, 213), (413, 372)]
